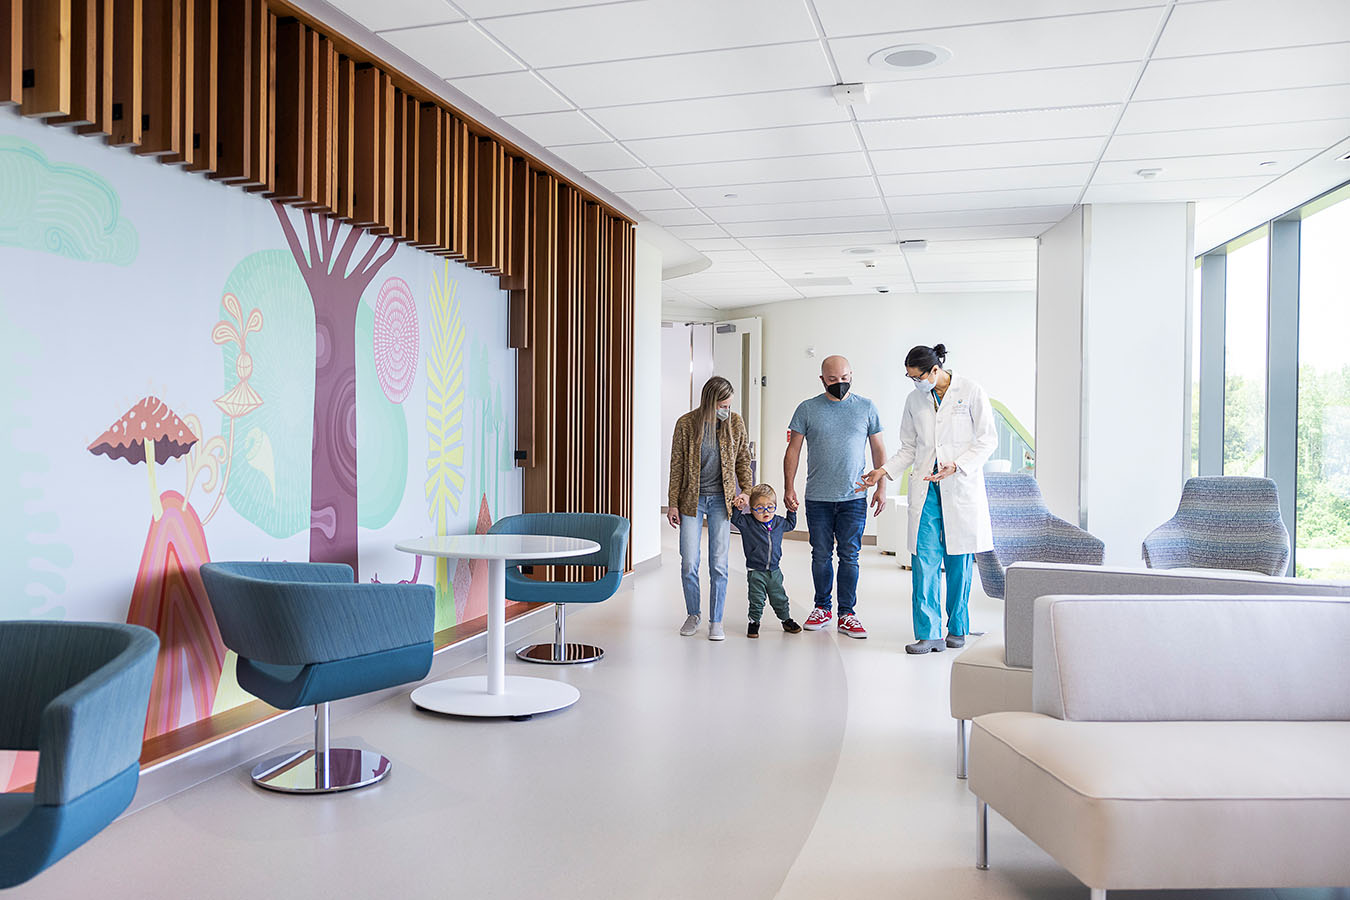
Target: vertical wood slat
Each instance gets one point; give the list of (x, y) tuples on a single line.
[(186, 45), (536, 389), (101, 122), (84, 63), (345, 138), (455, 205), (407, 124), (430, 176), (11, 44), (365, 154), (161, 84), (385, 146), (127, 67), (202, 133), (262, 83), (489, 206), (288, 141), (517, 231), (46, 58), (311, 121), (323, 155), (234, 93)]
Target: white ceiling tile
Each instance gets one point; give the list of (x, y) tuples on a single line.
[(514, 93), (973, 287), (1252, 108), (668, 217), (1173, 191), (1187, 168), (710, 74), (990, 156), (839, 241), (794, 168), (981, 232), (556, 128), (844, 17), (1060, 196), (597, 157), (773, 109), (629, 179), (1258, 70), (697, 232), (721, 266), (458, 50), (974, 217), (1224, 26), (869, 206), (713, 244), (927, 268), (798, 140), (1210, 141), (1059, 41), (657, 27), (488, 8), (661, 198), (1032, 89), (1036, 125), (730, 257), (986, 179), (782, 192), (397, 13), (805, 226)]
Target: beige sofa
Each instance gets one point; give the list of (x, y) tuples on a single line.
[(993, 674), (1179, 743)]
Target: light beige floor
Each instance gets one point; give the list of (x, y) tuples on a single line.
[(805, 767)]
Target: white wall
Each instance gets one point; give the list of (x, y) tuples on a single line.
[(1138, 282), (991, 337), (647, 493), (1059, 369)]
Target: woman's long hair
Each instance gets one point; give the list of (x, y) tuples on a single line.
[(715, 390)]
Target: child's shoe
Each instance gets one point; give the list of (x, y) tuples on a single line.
[(791, 627), (753, 630)]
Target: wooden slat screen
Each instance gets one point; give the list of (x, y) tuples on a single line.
[(258, 94)]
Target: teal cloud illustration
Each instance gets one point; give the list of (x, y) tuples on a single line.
[(63, 209)]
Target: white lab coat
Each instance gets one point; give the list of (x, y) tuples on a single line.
[(961, 431)]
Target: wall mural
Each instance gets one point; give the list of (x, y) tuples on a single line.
[(311, 454)]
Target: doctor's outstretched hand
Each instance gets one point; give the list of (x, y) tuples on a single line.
[(941, 473), (871, 479)]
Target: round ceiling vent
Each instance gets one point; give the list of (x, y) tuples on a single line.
[(861, 251), (910, 56)]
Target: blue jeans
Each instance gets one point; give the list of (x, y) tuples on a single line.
[(714, 508), (928, 561), (836, 527)]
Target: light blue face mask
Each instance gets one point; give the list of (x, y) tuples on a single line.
[(723, 414), (922, 385)]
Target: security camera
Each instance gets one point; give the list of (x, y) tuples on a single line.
[(882, 289)]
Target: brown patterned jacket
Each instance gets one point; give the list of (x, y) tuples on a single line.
[(685, 446)]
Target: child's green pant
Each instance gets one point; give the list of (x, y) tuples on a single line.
[(771, 584)]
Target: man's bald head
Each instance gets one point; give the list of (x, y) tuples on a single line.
[(835, 367)]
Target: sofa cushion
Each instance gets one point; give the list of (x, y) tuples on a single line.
[(982, 682), (1154, 805)]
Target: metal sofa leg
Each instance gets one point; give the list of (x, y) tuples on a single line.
[(982, 835), (962, 752), (322, 769), (1098, 894), (560, 653)]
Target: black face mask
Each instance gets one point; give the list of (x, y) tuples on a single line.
[(838, 389)]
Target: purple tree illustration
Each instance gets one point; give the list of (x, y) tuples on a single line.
[(336, 293)]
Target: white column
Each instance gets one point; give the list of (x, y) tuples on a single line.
[(648, 494), (496, 637), (1115, 453)]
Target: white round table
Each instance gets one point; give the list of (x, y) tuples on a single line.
[(494, 694)]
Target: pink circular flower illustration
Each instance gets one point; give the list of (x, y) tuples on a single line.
[(396, 339)]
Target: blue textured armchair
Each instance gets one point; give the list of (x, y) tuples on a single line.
[(1223, 522), (610, 532), (1026, 531), (307, 635), (77, 693)]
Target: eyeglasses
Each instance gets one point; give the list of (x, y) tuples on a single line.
[(765, 509)]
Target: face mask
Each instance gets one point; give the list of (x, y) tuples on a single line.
[(723, 414), (838, 389), (922, 385)]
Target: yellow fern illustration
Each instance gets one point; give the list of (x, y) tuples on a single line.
[(445, 425)]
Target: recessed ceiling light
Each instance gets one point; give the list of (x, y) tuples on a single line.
[(860, 251), (910, 56)]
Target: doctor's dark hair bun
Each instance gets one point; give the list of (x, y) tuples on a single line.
[(925, 358)]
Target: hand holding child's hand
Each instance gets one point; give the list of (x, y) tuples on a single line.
[(790, 498), (742, 501)]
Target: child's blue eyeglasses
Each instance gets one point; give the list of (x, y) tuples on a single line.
[(764, 508)]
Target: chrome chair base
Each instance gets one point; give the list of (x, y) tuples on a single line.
[(296, 773), (566, 655)]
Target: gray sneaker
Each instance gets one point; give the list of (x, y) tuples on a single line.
[(690, 626), (933, 646), (715, 632), (956, 641)]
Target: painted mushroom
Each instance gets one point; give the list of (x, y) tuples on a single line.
[(151, 433)]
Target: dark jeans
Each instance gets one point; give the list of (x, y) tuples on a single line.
[(836, 527)]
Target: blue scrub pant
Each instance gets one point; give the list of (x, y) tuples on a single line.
[(931, 556)]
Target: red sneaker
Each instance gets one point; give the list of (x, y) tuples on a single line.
[(850, 626), (818, 619)]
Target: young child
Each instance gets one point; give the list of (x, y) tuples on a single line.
[(762, 539)]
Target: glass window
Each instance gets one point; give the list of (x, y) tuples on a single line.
[(1323, 493), (1195, 371), (1244, 363)]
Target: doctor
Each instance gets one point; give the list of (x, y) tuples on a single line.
[(947, 431)]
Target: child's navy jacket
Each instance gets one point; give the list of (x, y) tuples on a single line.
[(763, 544)]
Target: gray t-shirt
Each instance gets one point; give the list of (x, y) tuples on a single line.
[(836, 433), (710, 464)]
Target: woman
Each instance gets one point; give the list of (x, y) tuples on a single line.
[(947, 432), (709, 456)]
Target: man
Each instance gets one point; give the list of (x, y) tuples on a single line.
[(838, 428)]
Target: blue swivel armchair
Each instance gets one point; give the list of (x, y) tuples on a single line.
[(307, 635), (1026, 531), (77, 693), (610, 532), (1223, 522)]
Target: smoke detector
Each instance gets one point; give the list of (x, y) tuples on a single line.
[(910, 56)]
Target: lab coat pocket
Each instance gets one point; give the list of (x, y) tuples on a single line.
[(963, 427)]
